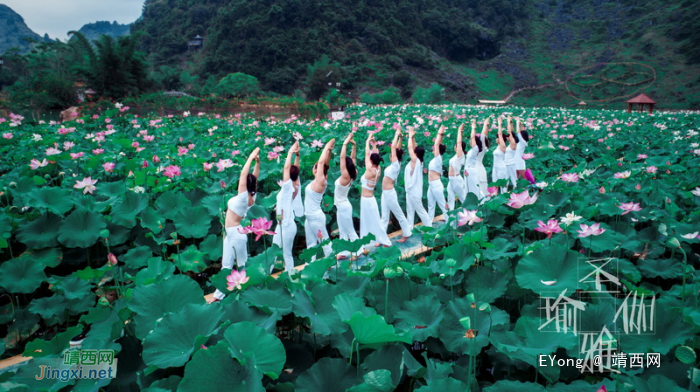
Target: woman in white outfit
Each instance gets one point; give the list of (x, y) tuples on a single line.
[(470, 172), (510, 156), (288, 207), (236, 243), (436, 191), (315, 225), (521, 139), (370, 222), (499, 171), (348, 174), (456, 186), (413, 180), (390, 200), (480, 169)]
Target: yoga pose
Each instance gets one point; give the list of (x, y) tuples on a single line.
[(370, 221), (456, 186), (348, 174), (436, 191), (470, 172), (390, 200), (315, 225), (510, 155), (413, 180), (483, 179), (499, 171), (521, 139), (288, 207), (235, 243)]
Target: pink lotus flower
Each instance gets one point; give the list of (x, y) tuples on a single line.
[(144, 164), (182, 151), (207, 166), (593, 229), (52, 151), (638, 187), (96, 151), (519, 200), (155, 159), (236, 279), (642, 156), (108, 166), (623, 175), (570, 177), (551, 227), (269, 140), (528, 155), (651, 169), (317, 143), (426, 134), (172, 171), (223, 164), (297, 136), (602, 389), (629, 207), (87, 185), (235, 152), (319, 235), (76, 155), (467, 217), (259, 227), (492, 190), (112, 259), (272, 155), (7, 135), (222, 184), (149, 138), (35, 164)]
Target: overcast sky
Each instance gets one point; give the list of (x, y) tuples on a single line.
[(58, 17)]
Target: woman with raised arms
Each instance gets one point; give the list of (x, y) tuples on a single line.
[(370, 221), (413, 180), (456, 186), (348, 174), (315, 225), (288, 207), (483, 179), (390, 200), (470, 172), (236, 243), (521, 139), (499, 171), (510, 155), (436, 191)]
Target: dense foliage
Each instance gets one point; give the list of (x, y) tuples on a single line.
[(128, 210)]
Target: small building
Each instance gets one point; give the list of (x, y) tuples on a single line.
[(641, 100), (492, 102), (196, 43)]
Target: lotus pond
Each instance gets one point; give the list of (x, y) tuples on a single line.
[(114, 222)]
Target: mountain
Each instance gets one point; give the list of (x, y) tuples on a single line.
[(92, 31), (543, 52), (14, 32)]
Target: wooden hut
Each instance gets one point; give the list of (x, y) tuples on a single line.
[(641, 100)]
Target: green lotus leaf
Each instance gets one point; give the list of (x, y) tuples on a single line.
[(653, 384), (269, 301), (52, 348), (375, 381), (169, 384), (374, 330), (137, 257), (105, 327), (21, 275), (190, 260), (127, 207), (607, 241), (254, 346), (81, 229), (214, 370), (327, 375), (41, 232), (452, 333), (445, 384), (237, 311), (552, 269), (169, 204), (215, 204), (118, 234), (49, 307), (154, 301), (152, 220), (422, 316), (157, 270), (318, 308), (509, 386), (55, 200), (192, 222), (111, 189), (212, 247), (395, 359), (686, 354), (662, 268), (487, 283), (576, 386), (73, 287), (668, 330), (177, 335), (347, 305), (50, 257)]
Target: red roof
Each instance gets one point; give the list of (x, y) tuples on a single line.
[(641, 98)]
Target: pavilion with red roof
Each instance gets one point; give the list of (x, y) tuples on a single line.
[(641, 100)]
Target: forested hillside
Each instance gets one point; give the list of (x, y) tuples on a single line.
[(474, 49), (93, 31), (14, 33)]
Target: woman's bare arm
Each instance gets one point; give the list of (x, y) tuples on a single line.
[(243, 179)]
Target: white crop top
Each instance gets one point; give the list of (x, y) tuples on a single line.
[(369, 184), (456, 164), (435, 164), (312, 201), (239, 204), (341, 192), (471, 156), (393, 170), (499, 158), (510, 156)]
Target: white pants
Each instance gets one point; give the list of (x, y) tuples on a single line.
[(483, 179), (414, 205), (500, 173), (512, 175), (315, 223), (346, 227), (390, 203), (436, 195), (472, 183), (235, 248), (370, 221), (456, 188), (284, 238)]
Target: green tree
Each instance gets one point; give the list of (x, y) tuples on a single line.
[(238, 85), (322, 74)]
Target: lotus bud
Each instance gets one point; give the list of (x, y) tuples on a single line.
[(389, 273), (173, 235), (103, 301), (112, 259), (104, 233), (46, 176), (399, 270), (451, 263)]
